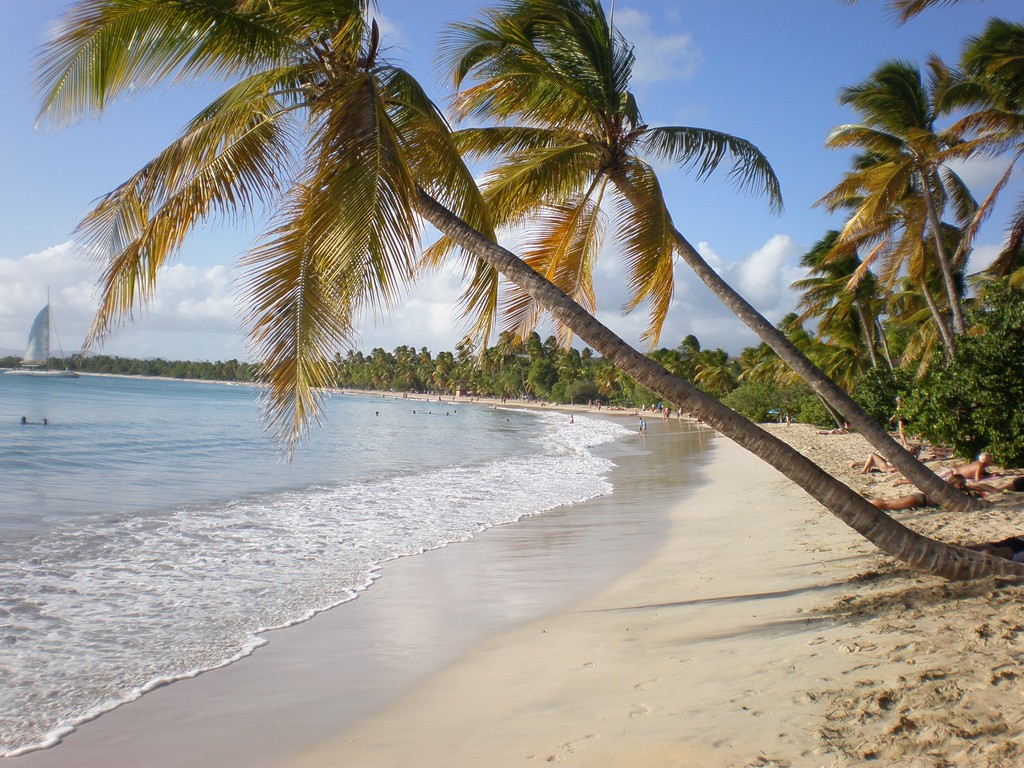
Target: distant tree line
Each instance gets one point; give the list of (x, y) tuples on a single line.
[(536, 369), (230, 370), (968, 402)]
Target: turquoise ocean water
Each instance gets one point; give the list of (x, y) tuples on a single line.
[(150, 530)]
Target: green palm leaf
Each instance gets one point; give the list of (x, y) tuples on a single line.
[(703, 151)]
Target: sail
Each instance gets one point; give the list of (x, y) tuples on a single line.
[(38, 351)]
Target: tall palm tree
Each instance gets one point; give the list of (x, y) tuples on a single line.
[(551, 78), (106, 46), (903, 168), (828, 296), (991, 86), (308, 110)]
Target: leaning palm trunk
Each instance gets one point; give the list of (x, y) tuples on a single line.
[(917, 551), (916, 472)]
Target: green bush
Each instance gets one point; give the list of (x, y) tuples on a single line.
[(877, 389), (756, 400), (973, 403), (811, 411)]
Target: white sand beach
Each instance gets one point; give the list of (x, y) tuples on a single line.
[(760, 632), (763, 633)]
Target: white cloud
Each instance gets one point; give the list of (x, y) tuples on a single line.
[(659, 57), (763, 278), (193, 315), (980, 174)]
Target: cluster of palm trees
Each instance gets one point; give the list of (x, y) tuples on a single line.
[(348, 154), (534, 369), (904, 250)]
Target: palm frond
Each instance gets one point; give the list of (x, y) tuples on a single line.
[(106, 48), (645, 235), (510, 140), (366, 200), (234, 154), (299, 318), (703, 150), (531, 180), (563, 249), (862, 137)]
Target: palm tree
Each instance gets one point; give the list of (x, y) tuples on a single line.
[(715, 372), (553, 84), (844, 313), (992, 85), (325, 52), (902, 182)]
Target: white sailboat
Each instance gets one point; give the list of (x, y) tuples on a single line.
[(37, 353)]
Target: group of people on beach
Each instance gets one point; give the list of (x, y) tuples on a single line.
[(973, 477)]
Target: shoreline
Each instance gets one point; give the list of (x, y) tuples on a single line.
[(422, 612), (764, 633), (759, 631)]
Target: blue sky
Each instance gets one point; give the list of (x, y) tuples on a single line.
[(768, 71)]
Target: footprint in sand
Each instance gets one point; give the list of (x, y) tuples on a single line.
[(569, 747), (1006, 674)]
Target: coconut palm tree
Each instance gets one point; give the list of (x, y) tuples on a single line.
[(991, 86), (715, 372), (318, 58), (902, 168), (843, 311), (551, 79)]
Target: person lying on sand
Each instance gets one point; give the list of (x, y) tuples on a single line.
[(976, 470), (996, 484), (1011, 548), (877, 463), (837, 431), (917, 499)]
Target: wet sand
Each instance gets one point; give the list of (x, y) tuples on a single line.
[(422, 614), (745, 626)]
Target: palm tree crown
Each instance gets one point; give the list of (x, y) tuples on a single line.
[(311, 108), (552, 78), (900, 185)]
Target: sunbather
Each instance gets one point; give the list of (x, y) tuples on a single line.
[(1011, 548), (976, 470), (878, 463), (996, 484), (917, 499)]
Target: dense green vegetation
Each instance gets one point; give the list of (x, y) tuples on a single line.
[(231, 370)]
